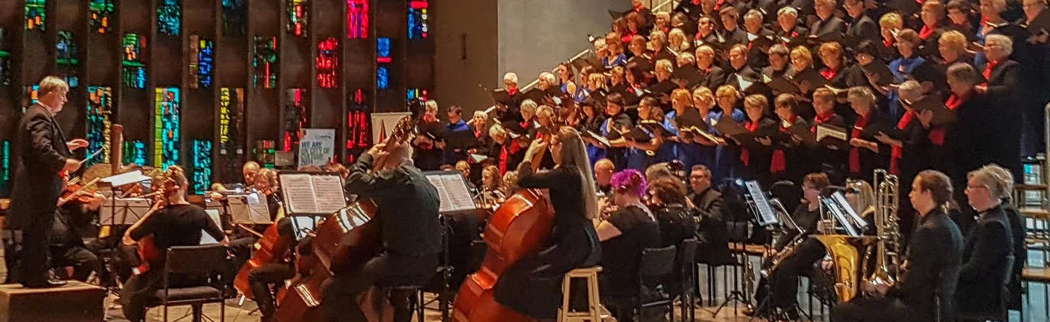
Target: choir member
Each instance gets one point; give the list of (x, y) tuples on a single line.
[(829, 158), (677, 42), (926, 290), (756, 32), (627, 231), (616, 51), (987, 249), (565, 78), (802, 72), (862, 27), (456, 150), (658, 46), (638, 53), (756, 155), (959, 14), (532, 285), (707, 33), (1004, 86), (592, 122), (731, 31), (788, 29), (616, 122), (778, 62), (889, 24), (789, 160), (704, 101), (952, 49), (866, 153), (686, 150), (828, 27), (739, 71), (903, 66), (727, 157), (832, 57), (712, 76), (932, 15)]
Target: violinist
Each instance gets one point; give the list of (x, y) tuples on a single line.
[(67, 244), (172, 221), (627, 231), (43, 158), (532, 286), (408, 224), (249, 170)]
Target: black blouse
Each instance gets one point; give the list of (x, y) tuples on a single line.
[(621, 254)]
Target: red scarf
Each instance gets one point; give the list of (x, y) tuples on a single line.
[(888, 43), (954, 101), (504, 155), (745, 154), (779, 162), (854, 152), (988, 69), (829, 73), (897, 152), (512, 91), (821, 119), (926, 31)]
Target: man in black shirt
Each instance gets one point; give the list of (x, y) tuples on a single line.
[(408, 222), (177, 223)]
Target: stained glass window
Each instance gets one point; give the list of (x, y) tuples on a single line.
[(101, 15), (421, 94), (296, 117), (66, 58), (383, 59), (265, 152), (298, 17), (5, 168), (36, 14), (167, 116), (328, 63), (231, 120), (202, 61), (202, 163), (169, 17), (5, 61), (357, 19), (358, 125), (30, 96), (133, 62), (99, 107), (233, 17), (135, 152), (264, 62), (418, 19)]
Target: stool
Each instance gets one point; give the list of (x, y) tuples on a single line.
[(403, 297), (594, 307)]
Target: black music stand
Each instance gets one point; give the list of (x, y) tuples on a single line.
[(763, 216), (458, 203)]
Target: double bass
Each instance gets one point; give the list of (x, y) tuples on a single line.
[(519, 227), (343, 242)]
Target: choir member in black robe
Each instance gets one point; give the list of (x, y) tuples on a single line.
[(866, 153), (862, 27), (960, 13), (789, 160), (829, 157), (756, 152), (828, 27), (788, 29), (1004, 87), (712, 76), (932, 16), (731, 31)]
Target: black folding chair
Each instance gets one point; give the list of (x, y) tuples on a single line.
[(686, 275), (203, 264), (657, 265)]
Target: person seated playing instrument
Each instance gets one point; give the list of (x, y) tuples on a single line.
[(172, 221), (926, 289), (409, 228), (269, 275), (532, 286), (67, 243), (797, 254), (628, 230)]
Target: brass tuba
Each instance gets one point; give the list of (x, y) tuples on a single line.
[(887, 252), (845, 249)]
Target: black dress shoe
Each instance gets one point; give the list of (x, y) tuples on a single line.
[(44, 284)]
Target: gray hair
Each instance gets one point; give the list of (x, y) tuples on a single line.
[(791, 11), (1005, 42), (963, 72), (510, 77), (910, 89), (547, 76), (861, 93), (998, 180)]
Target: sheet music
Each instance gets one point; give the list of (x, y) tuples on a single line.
[(249, 209), (125, 178), (452, 191), (329, 193), (840, 217), (205, 237), (858, 221), (123, 211), (313, 194), (766, 213), (824, 131), (299, 193)]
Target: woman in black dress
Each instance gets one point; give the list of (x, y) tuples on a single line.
[(532, 285), (627, 231)]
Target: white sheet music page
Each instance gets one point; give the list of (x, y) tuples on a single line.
[(299, 190), (438, 184), (329, 193), (260, 210), (458, 195)]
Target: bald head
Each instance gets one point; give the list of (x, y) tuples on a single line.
[(249, 170)]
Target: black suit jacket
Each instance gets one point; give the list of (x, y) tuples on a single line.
[(932, 268), (988, 245), (40, 154), (862, 29), (711, 231), (828, 30)]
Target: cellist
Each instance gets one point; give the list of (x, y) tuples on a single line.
[(532, 285), (172, 221), (264, 277), (409, 229)]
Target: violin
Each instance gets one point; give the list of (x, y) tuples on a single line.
[(83, 194)]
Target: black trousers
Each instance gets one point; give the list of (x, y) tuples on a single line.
[(261, 280), (83, 260), (342, 290), (784, 279), (864, 309), (36, 253)]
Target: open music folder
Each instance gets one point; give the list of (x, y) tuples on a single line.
[(312, 193)]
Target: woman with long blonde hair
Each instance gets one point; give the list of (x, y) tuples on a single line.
[(532, 286)]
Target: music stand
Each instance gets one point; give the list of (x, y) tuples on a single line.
[(116, 181), (310, 195)]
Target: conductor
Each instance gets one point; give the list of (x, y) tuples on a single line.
[(42, 161)]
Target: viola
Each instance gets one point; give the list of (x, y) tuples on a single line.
[(517, 229)]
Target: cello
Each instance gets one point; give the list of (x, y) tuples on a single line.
[(343, 242), (518, 228)]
